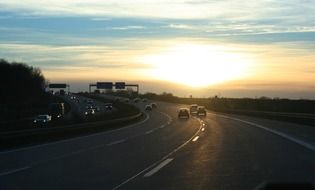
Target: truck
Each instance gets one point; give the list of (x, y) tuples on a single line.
[(56, 110)]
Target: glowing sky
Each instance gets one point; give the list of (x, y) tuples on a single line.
[(203, 47)]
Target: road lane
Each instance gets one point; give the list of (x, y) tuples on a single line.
[(232, 155), (226, 154), (122, 159)]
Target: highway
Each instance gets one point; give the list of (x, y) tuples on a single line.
[(79, 105), (163, 152)]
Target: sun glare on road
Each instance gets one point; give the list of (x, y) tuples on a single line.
[(197, 65)]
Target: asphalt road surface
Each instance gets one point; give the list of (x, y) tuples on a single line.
[(163, 152)]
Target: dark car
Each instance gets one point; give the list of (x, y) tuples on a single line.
[(42, 120), (183, 113), (136, 100), (108, 106), (148, 108), (89, 112), (201, 111)]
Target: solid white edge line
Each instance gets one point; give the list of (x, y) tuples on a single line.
[(158, 161), (71, 153), (158, 167), (14, 171), (283, 135), (195, 139), (76, 138), (162, 126), (170, 119), (116, 142), (148, 132)]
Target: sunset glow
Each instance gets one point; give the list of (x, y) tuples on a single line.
[(263, 47), (197, 65)]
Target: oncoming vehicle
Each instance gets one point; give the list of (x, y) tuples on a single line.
[(193, 109), (89, 101), (183, 113), (148, 108), (108, 106), (201, 111), (136, 100), (56, 110), (42, 120), (89, 112)]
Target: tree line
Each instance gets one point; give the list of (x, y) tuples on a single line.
[(22, 89)]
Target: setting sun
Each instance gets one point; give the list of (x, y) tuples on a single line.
[(197, 65)]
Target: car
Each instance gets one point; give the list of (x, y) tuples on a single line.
[(144, 100), (56, 110), (108, 106), (42, 120), (89, 106), (201, 111), (193, 109), (89, 101), (89, 112), (153, 105), (148, 107), (136, 100), (183, 113), (126, 100)]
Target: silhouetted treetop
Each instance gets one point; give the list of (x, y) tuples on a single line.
[(20, 82)]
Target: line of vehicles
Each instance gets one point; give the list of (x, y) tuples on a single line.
[(56, 111), (194, 109), (150, 107)]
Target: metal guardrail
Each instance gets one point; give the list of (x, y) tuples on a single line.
[(67, 128)]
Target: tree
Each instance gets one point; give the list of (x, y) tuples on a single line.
[(20, 82)]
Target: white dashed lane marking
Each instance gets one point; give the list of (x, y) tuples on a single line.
[(158, 167)]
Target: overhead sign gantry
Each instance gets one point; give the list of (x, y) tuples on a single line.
[(111, 85), (59, 86)]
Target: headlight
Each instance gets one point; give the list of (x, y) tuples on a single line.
[(86, 113), (34, 121)]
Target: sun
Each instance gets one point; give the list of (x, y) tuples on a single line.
[(197, 65)]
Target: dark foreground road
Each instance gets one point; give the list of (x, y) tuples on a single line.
[(162, 152)]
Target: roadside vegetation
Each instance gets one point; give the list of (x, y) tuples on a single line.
[(22, 95)]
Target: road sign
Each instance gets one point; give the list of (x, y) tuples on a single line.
[(55, 85), (104, 85), (120, 85)]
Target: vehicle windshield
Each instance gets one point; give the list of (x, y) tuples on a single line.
[(42, 117), (157, 94)]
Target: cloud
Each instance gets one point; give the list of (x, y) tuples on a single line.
[(181, 26), (193, 9), (127, 28)]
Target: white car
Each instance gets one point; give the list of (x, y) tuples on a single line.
[(193, 109)]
